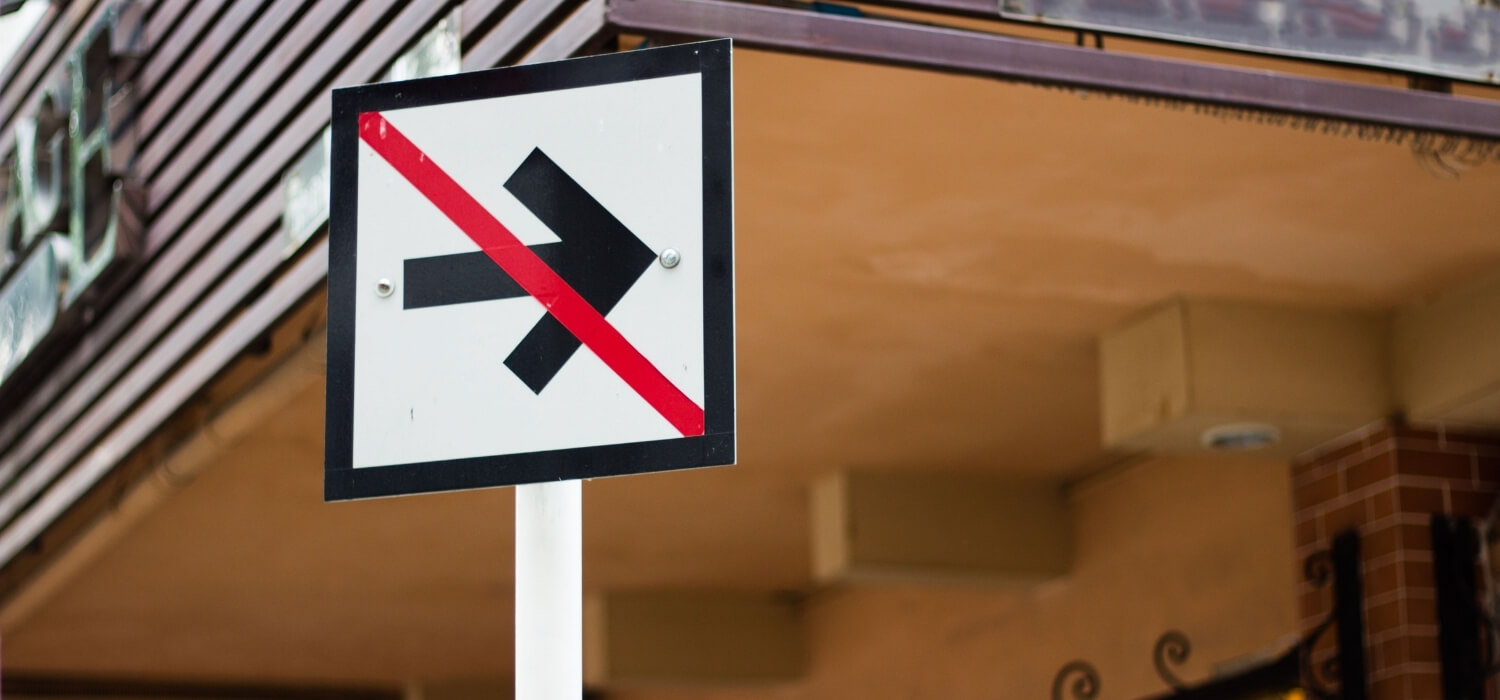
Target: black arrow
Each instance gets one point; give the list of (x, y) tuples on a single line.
[(598, 257)]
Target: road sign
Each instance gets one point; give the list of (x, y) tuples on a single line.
[(530, 274)]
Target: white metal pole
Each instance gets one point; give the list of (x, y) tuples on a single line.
[(549, 591)]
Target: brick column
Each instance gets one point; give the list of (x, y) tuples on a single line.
[(1388, 480)]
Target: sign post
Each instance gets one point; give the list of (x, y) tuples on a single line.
[(549, 590), (531, 283)]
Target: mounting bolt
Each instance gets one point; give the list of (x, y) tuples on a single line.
[(670, 257), (384, 287)]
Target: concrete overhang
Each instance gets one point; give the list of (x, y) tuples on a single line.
[(1447, 353), (920, 527), (1191, 365), (1172, 375)]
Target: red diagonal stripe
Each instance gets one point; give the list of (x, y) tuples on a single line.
[(539, 280)]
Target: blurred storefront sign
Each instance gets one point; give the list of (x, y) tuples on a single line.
[(1452, 38), (305, 186), (69, 221)]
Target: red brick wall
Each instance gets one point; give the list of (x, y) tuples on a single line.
[(1388, 480)]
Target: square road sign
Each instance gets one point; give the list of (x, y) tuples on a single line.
[(531, 274)]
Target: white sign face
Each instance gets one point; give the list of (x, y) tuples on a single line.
[(531, 274)]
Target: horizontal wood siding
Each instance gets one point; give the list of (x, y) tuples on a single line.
[(228, 96)]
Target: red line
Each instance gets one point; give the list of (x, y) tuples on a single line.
[(528, 270)]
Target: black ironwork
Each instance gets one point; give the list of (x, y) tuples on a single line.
[(1084, 683), (1349, 609), (1274, 678), (1341, 677), (1491, 637), (1455, 553), (1172, 647), (1318, 679)]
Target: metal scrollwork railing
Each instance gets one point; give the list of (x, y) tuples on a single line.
[(1489, 636), (1466, 647), (1318, 680), (1079, 678), (1339, 677), (1172, 648)]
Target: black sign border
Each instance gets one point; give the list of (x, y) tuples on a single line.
[(711, 59)]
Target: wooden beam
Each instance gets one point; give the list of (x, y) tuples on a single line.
[(24, 686), (470, 689), (677, 638), (922, 527), (467, 689)]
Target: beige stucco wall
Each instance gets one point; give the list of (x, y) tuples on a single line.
[(1200, 545)]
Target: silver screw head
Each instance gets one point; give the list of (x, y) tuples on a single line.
[(384, 287), (670, 258)]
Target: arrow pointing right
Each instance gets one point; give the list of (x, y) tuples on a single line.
[(540, 281), (598, 256)]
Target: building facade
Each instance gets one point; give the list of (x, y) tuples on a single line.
[(1072, 364)]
